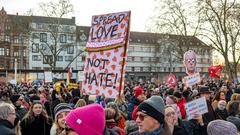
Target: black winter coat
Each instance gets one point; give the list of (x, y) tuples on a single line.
[(39, 126), (6, 128)]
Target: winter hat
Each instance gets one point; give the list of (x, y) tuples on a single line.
[(87, 120), (138, 91), (14, 98), (235, 121), (62, 107), (154, 107), (222, 105), (34, 98), (221, 127), (177, 94)]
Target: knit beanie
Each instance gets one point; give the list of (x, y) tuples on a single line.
[(62, 107), (87, 120), (221, 127), (138, 91), (154, 107), (14, 98), (235, 121)]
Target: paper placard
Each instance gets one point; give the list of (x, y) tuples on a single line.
[(80, 75), (192, 79), (198, 106), (48, 76)]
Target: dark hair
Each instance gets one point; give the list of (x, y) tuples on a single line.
[(217, 96)]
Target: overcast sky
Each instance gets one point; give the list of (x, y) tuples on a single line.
[(84, 9)]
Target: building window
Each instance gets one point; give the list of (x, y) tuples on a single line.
[(15, 53), (70, 50), (47, 59), (24, 53), (68, 58), (141, 69), (132, 69), (59, 58), (43, 37), (35, 35), (2, 51), (7, 52), (35, 47), (63, 38), (7, 38), (36, 58), (149, 69), (70, 37), (16, 40), (133, 59)]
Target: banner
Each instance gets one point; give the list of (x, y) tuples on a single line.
[(198, 106), (105, 63), (192, 79), (48, 76)]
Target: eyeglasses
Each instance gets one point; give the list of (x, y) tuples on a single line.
[(141, 116), (170, 113), (192, 61)]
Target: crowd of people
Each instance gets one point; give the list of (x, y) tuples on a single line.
[(142, 109)]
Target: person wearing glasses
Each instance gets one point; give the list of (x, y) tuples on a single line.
[(7, 118), (36, 121), (17, 101), (151, 117), (190, 62)]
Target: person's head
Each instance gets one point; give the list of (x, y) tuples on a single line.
[(60, 112), (171, 115), (109, 114), (139, 94), (114, 106), (235, 121), (7, 112), (220, 96), (222, 105), (190, 62), (86, 120), (150, 114), (80, 103), (170, 100), (234, 108), (221, 127), (17, 100), (204, 91), (178, 96)]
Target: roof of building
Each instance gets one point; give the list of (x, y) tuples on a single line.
[(152, 38)]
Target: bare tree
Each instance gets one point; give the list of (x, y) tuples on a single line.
[(222, 29), (174, 17)]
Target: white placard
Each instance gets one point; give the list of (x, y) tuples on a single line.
[(198, 106), (80, 75), (48, 76)]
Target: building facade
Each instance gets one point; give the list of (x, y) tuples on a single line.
[(54, 43)]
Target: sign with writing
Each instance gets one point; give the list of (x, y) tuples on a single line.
[(198, 106), (80, 75), (48, 76), (105, 63), (108, 31), (192, 79)]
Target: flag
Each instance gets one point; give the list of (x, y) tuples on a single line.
[(171, 80), (69, 75)]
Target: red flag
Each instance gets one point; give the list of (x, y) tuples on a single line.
[(171, 80)]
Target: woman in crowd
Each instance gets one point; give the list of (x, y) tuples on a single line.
[(36, 121), (234, 109), (221, 110), (118, 115), (219, 96), (80, 103), (60, 111)]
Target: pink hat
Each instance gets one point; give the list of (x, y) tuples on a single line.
[(87, 120)]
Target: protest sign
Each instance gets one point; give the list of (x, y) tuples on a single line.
[(198, 106), (48, 76), (107, 51), (190, 62), (192, 79), (80, 75)]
